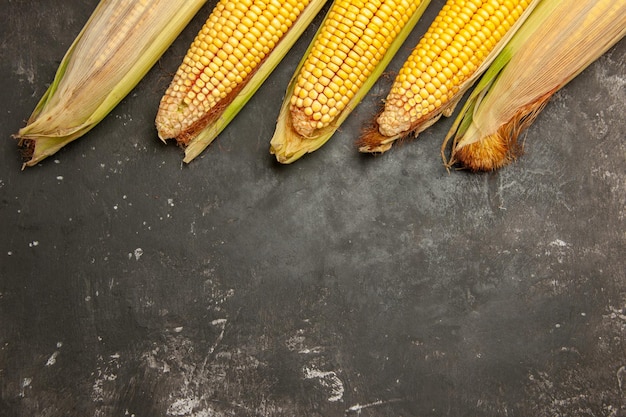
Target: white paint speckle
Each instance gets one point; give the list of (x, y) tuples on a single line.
[(138, 252), (178, 329), (559, 243), (52, 359), (60, 177), (183, 406), (33, 243), (10, 253), (26, 383), (329, 380), (170, 202)]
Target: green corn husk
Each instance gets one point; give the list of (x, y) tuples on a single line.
[(286, 144), (557, 42), (118, 45)]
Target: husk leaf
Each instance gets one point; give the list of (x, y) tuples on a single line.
[(91, 80), (558, 41)]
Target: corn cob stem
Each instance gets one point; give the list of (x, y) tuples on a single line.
[(234, 52), (117, 46), (353, 46), (556, 43), (458, 46)]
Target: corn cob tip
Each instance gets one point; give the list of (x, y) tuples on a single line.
[(293, 149), (392, 122), (162, 135), (302, 123), (379, 139), (379, 148), (372, 141), (489, 154)]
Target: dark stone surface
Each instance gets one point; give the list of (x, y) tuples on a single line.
[(344, 284)]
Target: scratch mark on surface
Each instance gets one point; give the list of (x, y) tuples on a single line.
[(218, 322), (621, 378), (358, 407)]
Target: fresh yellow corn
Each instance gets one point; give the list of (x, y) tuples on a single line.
[(353, 46), (558, 41), (237, 38), (459, 44), (117, 46), (354, 40)]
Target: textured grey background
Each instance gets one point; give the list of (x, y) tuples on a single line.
[(344, 284)]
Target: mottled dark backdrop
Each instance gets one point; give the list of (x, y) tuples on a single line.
[(345, 284)]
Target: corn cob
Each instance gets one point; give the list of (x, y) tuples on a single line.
[(460, 43), (232, 48), (558, 41), (117, 46), (353, 46)]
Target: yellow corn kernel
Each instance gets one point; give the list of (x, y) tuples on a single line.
[(236, 38), (456, 44), (352, 41)]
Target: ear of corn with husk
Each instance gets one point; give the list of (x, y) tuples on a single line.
[(354, 44), (117, 46), (459, 45), (558, 41), (240, 44)]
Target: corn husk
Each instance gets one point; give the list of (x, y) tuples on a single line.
[(558, 41), (117, 46), (373, 140), (286, 144), (197, 141)]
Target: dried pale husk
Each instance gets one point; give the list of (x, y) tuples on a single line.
[(117, 46), (561, 40)]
